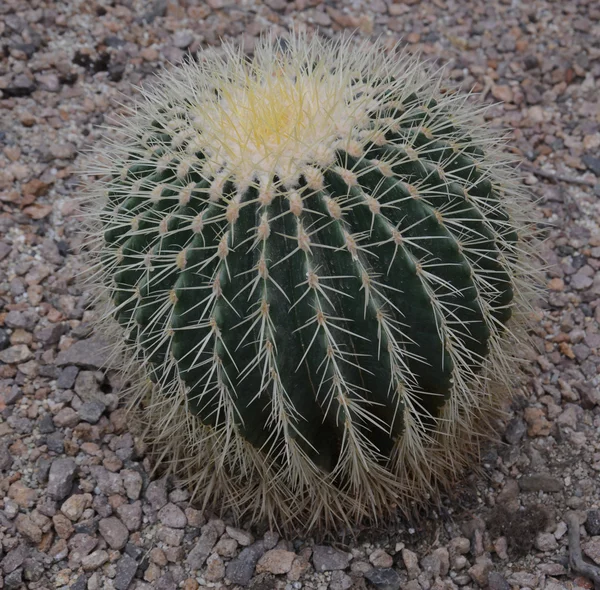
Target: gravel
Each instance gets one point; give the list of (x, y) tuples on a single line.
[(79, 507)]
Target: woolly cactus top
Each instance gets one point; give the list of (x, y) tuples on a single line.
[(313, 254)]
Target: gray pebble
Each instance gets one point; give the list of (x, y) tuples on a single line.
[(61, 477), (240, 569), (384, 578), (67, 377), (91, 411), (126, 568), (327, 558), (592, 523), (540, 482)]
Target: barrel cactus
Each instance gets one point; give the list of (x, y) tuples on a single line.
[(312, 256)]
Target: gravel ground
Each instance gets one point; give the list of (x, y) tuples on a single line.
[(79, 509)]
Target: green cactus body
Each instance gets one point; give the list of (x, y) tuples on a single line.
[(313, 257)]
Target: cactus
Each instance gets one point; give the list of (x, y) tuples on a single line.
[(313, 256)]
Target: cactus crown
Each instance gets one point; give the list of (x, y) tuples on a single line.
[(313, 255)]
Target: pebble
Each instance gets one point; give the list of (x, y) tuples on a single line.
[(28, 528), (244, 538), (240, 570), (545, 542), (384, 578), (540, 482), (91, 411), (172, 516), (19, 353), (380, 559), (479, 572), (126, 569), (215, 568), (275, 561), (94, 560), (156, 494), (92, 353), (132, 482), (61, 478), (592, 523), (197, 556), (326, 558), (411, 562), (592, 549), (74, 506), (497, 581), (115, 533)]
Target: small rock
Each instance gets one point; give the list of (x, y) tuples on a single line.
[(170, 536), (540, 482), (6, 459), (437, 563), (87, 387), (509, 496), (459, 546), (380, 559), (183, 39), (215, 568), (592, 523), (582, 280), (67, 377), (94, 560), (126, 568), (502, 93), (592, 162), (61, 477), (15, 558), (226, 547), (524, 579), (66, 418), (545, 542), (62, 526), (115, 533), (480, 571), (240, 570), (244, 538), (14, 581), (28, 528), (156, 493), (194, 517), (515, 430), (275, 561), (537, 423), (497, 581), (340, 581), (74, 506), (172, 516), (63, 151), (592, 549), (92, 353), (26, 320), (109, 483), (130, 515), (133, 482), (411, 561), (19, 353), (327, 558), (203, 547), (299, 567), (91, 411), (501, 547), (384, 578), (270, 540)]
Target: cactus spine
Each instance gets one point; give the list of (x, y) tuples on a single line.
[(312, 256)]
